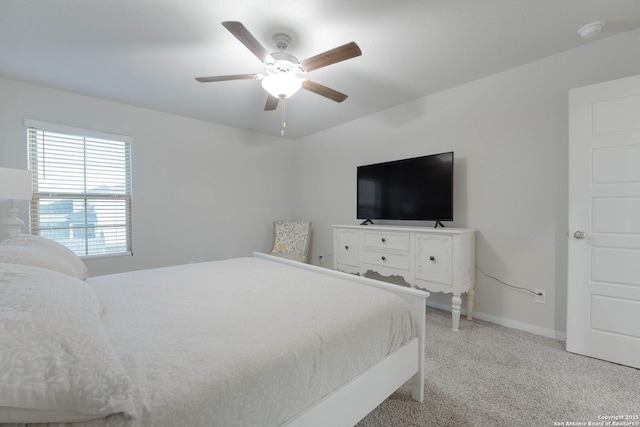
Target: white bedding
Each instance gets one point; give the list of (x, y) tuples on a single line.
[(242, 342)]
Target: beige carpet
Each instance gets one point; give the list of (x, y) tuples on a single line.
[(490, 375)]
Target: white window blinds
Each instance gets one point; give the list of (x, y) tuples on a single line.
[(81, 188)]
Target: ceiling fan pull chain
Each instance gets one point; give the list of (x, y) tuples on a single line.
[(284, 122)]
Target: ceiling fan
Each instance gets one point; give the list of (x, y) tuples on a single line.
[(282, 69)]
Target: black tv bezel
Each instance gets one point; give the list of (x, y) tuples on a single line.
[(406, 218)]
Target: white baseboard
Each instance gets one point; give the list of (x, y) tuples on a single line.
[(549, 333)]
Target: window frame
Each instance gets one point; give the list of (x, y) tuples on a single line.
[(84, 197)]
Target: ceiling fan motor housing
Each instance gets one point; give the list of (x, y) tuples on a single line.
[(285, 64)]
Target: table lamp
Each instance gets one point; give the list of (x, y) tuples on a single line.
[(15, 184)]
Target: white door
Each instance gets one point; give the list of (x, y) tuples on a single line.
[(603, 310)]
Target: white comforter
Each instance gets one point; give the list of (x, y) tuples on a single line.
[(242, 342)]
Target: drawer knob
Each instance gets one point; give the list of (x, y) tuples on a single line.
[(383, 240), (432, 258), (346, 247), (384, 259)]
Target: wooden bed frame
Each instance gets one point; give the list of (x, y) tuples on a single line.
[(354, 400)]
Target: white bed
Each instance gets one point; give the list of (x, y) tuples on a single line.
[(247, 341)]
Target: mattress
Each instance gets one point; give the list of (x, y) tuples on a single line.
[(241, 342)]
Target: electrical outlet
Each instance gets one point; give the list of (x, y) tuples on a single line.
[(542, 299)]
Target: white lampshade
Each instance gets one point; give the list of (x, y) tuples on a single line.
[(15, 184), (282, 85)]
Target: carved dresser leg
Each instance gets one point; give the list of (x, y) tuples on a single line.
[(471, 296), (455, 310)]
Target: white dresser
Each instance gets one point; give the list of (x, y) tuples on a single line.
[(435, 259)]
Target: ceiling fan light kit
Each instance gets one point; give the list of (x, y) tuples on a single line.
[(282, 68), (282, 81), (282, 85)]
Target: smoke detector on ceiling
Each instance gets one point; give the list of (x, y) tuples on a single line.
[(591, 30)]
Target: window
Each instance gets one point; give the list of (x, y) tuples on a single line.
[(81, 188)]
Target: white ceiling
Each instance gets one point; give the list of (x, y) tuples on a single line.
[(147, 52)]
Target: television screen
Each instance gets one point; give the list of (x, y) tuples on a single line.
[(419, 188)]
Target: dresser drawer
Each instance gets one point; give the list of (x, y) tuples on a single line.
[(386, 240), (394, 260), (434, 258), (346, 247)]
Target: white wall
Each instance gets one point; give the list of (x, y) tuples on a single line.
[(509, 132), (200, 191)]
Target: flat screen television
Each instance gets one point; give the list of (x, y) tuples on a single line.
[(420, 188)]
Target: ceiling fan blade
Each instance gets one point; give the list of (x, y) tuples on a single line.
[(341, 53), (321, 90), (272, 103), (244, 36), (226, 78)]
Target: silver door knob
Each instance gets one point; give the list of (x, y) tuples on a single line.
[(579, 234)]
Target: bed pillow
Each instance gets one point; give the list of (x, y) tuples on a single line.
[(40, 252), (56, 364)]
